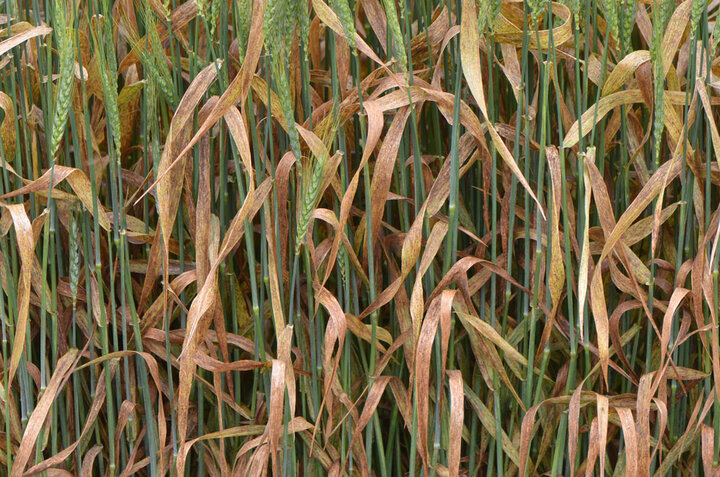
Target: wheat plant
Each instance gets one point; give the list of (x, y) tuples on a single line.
[(359, 237)]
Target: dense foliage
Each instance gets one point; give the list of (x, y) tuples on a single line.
[(357, 237)]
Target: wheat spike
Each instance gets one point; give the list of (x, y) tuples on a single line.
[(627, 24), (74, 267), (698, 7), (398, 42), (244, 9), (67, 73), (203, 8), (484, 8), (611, 17), (309, 200), (658, 77), (279, 25), (347, 18), (157, 62), (495, 6), (302, 15)]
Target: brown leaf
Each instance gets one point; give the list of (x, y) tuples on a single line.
[(457, 409), (37, 418)]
